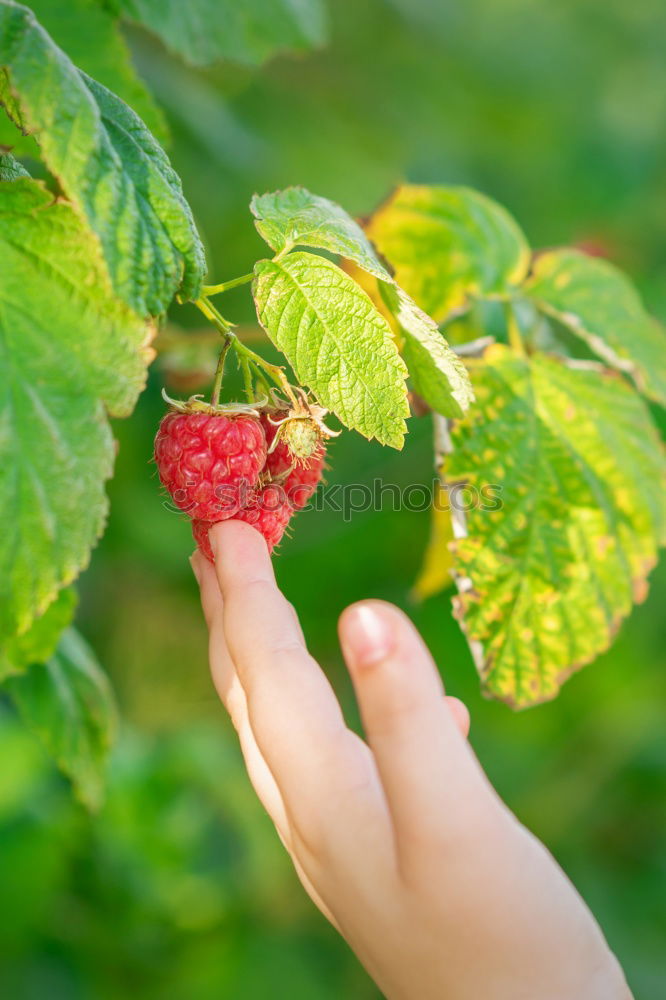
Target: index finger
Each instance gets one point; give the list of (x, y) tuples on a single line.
[(293, 711)]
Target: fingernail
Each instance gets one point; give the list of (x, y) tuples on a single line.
[(195, 567), (367, 634)]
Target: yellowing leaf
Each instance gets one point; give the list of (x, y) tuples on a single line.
[(448, 243), (599, 304), (370, 286), (557, 568)]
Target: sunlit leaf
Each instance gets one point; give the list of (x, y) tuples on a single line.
[(295, 217), (437, 373), (336, 341)]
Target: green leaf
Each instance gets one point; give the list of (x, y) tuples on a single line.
[(92, 39), (19, 142), (446, 244), (336, 341), (9, 102), (582, 473), (38, 643), (10, 168), (205, 31), (85, 336), (295, 217), (438, 375), (67, 345), (120, 179), (601, 306), (69, 705)]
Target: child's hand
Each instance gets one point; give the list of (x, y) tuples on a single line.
[(400, 841)]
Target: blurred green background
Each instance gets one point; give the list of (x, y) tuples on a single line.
[(179, 888)]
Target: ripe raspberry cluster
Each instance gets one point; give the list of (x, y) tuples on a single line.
[(223, 464)]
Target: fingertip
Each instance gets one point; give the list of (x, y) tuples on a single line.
[(460, 713), (367, 634), (240, 551)]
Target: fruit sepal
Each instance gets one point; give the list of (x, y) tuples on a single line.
[(299, 424), (197, 404)]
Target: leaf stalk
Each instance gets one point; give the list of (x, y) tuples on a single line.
[(225, 286)]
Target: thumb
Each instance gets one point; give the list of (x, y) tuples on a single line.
[(416, 735)]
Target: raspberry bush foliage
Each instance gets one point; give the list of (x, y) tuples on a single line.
[(537, 369)]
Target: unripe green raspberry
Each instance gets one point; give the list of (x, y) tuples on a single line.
[(302, 437)]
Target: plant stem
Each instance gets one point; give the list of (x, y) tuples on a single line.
[(224, 326), (219, 371), (260, 376), (211, 313), (247, 379), (226, 285)]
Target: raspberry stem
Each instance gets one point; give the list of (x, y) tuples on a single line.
[(247, 379), (242, 350), (219, 371)]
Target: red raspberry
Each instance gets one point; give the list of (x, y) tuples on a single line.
[(305, 475), (210, 462), (268, 511), (200, 532)]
